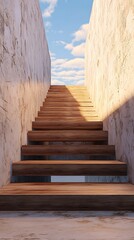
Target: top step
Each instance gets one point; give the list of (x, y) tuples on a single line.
[(67, 87)]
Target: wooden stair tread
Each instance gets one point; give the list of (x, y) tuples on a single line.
[(96, 189), (67, 104), (67, 113), (70, 162), (41, 150), (68, 135), (67, 168), (67, 99), (67, 119), (80, 109), (67, 196), (74, 124)]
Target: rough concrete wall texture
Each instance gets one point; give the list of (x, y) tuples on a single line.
[(24, 76), (110, 72)]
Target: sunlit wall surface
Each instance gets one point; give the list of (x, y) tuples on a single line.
[(110, 72), (24, 76)]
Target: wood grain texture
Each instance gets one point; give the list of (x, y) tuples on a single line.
[(67, 118), (42, 150), (66, 168), (68, 99), (71, 125), (67, 196), (66, 108), (67, 135), (67, 104), (67, 113)]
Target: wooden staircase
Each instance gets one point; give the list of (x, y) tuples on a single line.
[(67, 125)]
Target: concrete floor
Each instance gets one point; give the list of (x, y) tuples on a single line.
[(66, 225)]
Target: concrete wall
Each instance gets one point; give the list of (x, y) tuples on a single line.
[(24, 76), (110, 72)]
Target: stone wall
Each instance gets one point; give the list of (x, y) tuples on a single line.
[(110, 72), (24, 76)]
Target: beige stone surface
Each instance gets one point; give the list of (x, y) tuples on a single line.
[(24, 76), (110, 72), (67, 226)]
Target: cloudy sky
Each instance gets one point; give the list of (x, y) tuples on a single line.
[(66, 23)]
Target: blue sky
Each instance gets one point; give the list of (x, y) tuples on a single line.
[(66, 24)]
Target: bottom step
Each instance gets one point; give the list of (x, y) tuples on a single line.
[(67, 196)]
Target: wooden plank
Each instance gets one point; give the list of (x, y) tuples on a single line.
[(68, 92), (67, 99), (65, 87), (66, 119), (67, 196), (76, 124), (68, 95), (44, 150), (67, 135), (77, 109), (67, 113), (67, 104), (67, 168)]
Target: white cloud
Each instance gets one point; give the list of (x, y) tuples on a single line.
[(57, 82), (65, 71), (60, 42), (77, 51), (81, 34), (76, 63), (57, 63), (51, 7)]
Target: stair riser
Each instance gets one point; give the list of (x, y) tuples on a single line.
[(68, 170), (67, 114), (67, 99), (67, 109), (41, 152), (67, 104), (70, 136), (67, 118), (66, 203), (66, 126)]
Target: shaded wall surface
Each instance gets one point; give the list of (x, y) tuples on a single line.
[(110, 72), (24, 76)]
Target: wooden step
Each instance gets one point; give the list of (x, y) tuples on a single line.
[(68, 104), (65, 87), (67, 135), (71, 98), (74, 124), (44, 150), (66, 113), (60, 109), (66, 119), (67, 196), (66, 168), (67, 99), (68, 95), (67, 92)]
